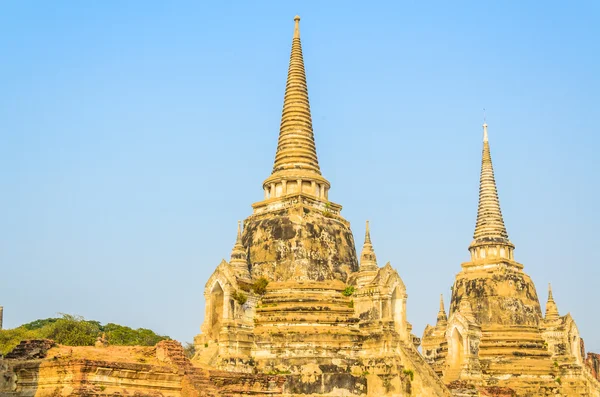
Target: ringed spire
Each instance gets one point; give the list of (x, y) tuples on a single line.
[(490, 231), (296, 156), (551, 308), (441, 317), (368, 260), (239, 258)]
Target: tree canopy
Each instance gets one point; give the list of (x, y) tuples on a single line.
[(73, 330)]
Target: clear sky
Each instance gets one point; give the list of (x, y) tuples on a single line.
[(135, 134)]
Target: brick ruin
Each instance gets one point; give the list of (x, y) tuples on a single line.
[(39, 368)]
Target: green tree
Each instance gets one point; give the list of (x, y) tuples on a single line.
[(37, 324), (72, 331)]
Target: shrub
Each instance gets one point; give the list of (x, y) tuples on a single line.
[(409, 373), (348, 291), (239, 297), (260, 286)]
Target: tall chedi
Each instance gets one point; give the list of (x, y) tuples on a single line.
[(496, 334), (293, 299), (296, 233)]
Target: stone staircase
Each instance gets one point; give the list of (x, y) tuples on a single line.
[(418, 362), (298, 320), (30, 349)]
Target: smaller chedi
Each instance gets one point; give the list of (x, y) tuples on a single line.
[(495, 334), (294, 299)]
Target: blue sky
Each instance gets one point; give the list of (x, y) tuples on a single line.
[(135, 134)]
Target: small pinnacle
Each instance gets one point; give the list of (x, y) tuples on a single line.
[(367, 234), (485, 132), (239, 232), (441, 317), (551, 309), (297, 27)]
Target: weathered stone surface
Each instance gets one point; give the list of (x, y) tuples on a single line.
[(500, 295), (299, 243)]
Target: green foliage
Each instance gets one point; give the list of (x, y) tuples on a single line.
[(558, 380), (37, 324), (239, 297), (260, 286), (125, 336), (72, 331), (351, 304), (76, 331), (348, 291), (409, 373)]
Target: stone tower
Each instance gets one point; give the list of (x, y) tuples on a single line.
[(296, 233), (293, 300), (495, 334)]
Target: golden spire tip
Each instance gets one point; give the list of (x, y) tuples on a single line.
[(367, 233), (297, 27)]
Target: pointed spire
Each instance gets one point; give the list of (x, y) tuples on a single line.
[(441, 317), (368, 260), (296, 156), (239, 259), (296, 147), (489, 228), (551, 308), (238, 240)]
